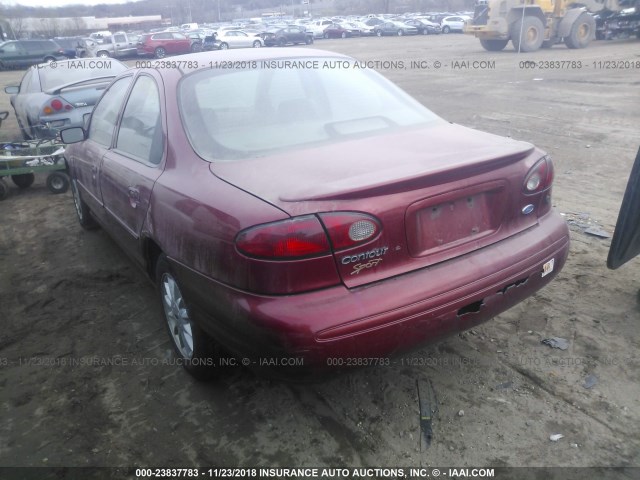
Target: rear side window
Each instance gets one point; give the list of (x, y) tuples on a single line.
[(105, 114), (140, 133)]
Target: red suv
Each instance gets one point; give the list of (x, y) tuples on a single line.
[(162, 44)]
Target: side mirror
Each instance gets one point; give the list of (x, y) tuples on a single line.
[(72, 135), (12, 90)]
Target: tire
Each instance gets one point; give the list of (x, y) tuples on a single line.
[(400, 32), (195, 349), (326, 36), (257, 44), (425, 31), (103, 54), (4, 189), (58, 182), (224, 46), (309, 40), (379, 33), (85, 219), (344, 35), (494, 45), (24, 180), (160, 52), (49, 59), (527, 34), (446, 29), (582, 31), (196, 47)]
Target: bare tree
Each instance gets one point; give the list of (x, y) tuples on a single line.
[(17, 25), (48, 27), (79, 25)]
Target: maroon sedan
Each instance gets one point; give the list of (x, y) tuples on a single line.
[(161, 44), (328, 235)]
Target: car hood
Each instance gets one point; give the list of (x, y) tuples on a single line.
[(625, 244), (377, 165)]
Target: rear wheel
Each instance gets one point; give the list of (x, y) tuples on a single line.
[(446, 29), (400, 32), (102, 54), (494, 45), (581, 32), (85, 219), (224, 46), (49, 59), (195, 349), (379, 33), (24, 180), (160, 52), (257, 44), (527, 34), (58, 182)]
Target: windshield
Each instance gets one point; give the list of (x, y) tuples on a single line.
[(74, 71), (285, 103)]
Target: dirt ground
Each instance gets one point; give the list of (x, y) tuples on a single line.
[(86, 375)]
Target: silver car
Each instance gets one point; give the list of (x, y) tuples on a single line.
[(237, 39), (57, 95)]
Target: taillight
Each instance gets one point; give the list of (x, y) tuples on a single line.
[(56, 105), (540, 177), (348, 229), (299, 237)]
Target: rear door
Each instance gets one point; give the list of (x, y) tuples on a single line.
[(101, 130), (179, 44), (122, 47), (132, 167), (626, 238)]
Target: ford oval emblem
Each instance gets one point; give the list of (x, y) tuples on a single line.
[(528, 209)]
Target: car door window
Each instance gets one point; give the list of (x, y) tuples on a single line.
[(140, 133), (105, 114), (10, 48), (119, 38)]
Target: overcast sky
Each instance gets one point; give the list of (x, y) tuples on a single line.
[(56, 3)]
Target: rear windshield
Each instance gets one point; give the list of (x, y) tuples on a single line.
[(281, 104), (78, 70)]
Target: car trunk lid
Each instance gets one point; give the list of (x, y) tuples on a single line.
[(439, 192)]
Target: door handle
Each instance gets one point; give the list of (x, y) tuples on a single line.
[(134, 197)]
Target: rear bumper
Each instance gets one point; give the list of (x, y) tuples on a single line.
[(380, 319)]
